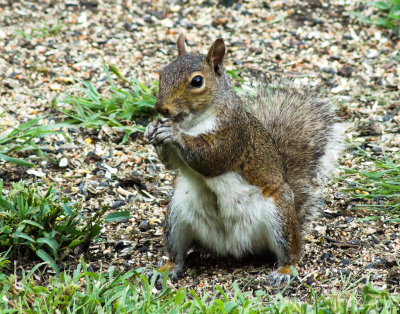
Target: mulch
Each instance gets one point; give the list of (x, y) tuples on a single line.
[(316, 43)]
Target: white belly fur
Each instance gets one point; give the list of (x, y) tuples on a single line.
[(225, 214)]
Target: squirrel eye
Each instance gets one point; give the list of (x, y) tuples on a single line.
[(197, 81)]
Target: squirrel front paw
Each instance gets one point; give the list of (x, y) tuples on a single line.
[(150, 129), (159, 132)]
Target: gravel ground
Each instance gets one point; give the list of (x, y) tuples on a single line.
[(49, 47)]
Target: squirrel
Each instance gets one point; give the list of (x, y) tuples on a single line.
[(250, 168)]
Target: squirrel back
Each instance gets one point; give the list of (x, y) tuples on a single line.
[(307, 135)]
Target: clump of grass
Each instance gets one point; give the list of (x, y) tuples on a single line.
[(23, 139), (387, 15), (83, 291), (44, 225), (119, 110), (380, 185)]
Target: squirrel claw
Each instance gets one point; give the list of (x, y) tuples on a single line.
[(276, 279), (150, 129), (174, 275), (162, 134)]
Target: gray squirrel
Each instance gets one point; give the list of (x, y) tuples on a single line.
[(250, 168)]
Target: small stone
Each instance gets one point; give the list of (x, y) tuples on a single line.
[(355, 242), (167, 23), (144, 225), (256, 50), (144, 248), (117, 204), (189, 25), (349, 219), (149, 19), (372, 54), (387, 242), (175, 8), (345, 261), (328, 70), (63, 162), (316, 22), (119, 246), (346, 71)]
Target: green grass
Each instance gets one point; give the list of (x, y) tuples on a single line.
[(84, 291), (386, 15), (118, 110), (45, 225), (380, 185), (23, 140)]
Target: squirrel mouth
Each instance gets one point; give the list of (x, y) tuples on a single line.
[(179, 117)]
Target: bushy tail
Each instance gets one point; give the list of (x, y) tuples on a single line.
[(308, 137)]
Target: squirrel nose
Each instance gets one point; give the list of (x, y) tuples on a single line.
[(162, 108)]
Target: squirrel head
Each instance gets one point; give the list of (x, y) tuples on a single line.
[(189, 84)]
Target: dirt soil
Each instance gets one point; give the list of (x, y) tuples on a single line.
[(316, 42)]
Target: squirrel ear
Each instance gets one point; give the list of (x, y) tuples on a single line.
[(216, 55), (180, 43)]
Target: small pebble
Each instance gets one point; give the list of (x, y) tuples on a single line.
[(144, 225), (117, 204), (349, 219)]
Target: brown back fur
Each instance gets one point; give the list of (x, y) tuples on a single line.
[(307, 135)]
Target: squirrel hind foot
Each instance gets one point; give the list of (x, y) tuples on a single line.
[(152, 273), (174, 273), (279, 278)]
